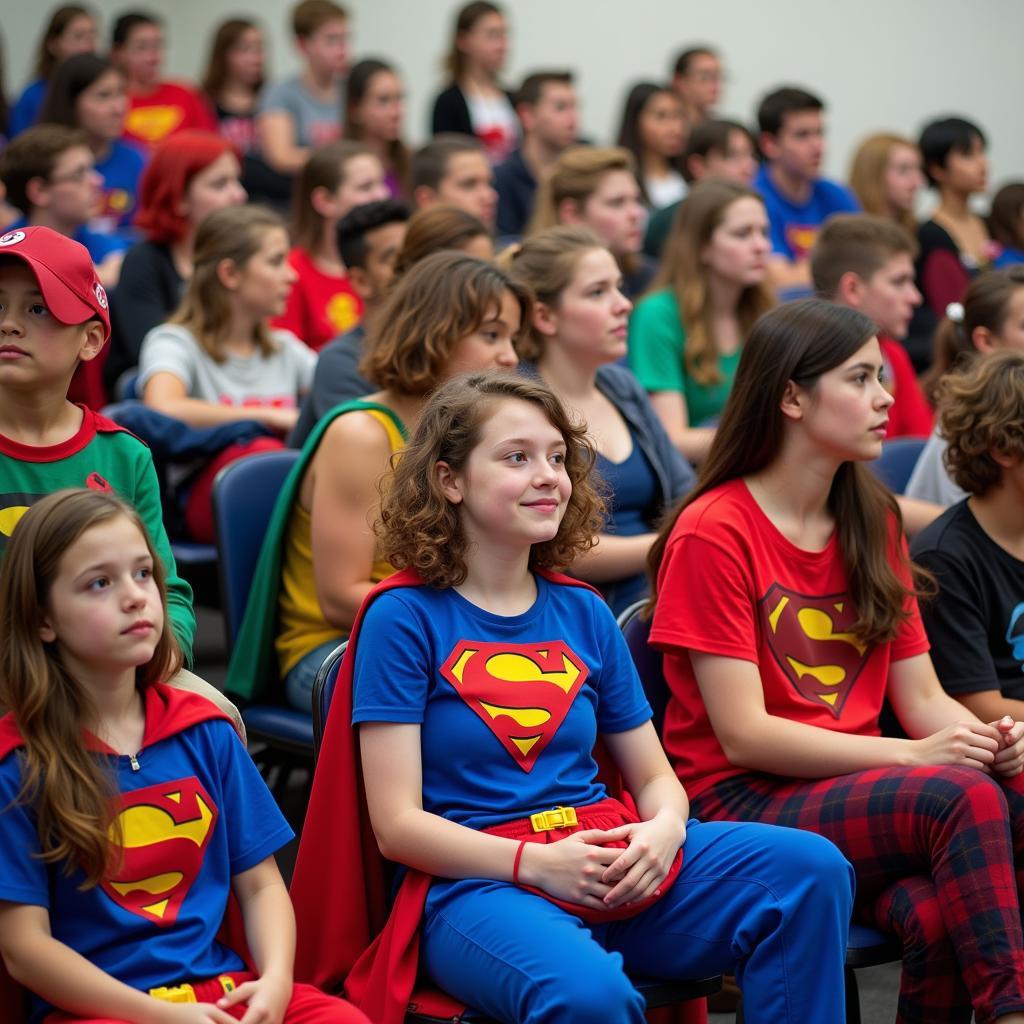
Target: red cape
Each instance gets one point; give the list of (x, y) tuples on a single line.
[(168, 711), (338, 887)]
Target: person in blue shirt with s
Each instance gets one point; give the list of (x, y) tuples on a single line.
[(792, 140)]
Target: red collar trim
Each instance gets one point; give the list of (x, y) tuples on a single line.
[(92, 424)]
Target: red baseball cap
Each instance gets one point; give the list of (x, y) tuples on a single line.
[(65, 272)]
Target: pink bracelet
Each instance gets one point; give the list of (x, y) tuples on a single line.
[(515, 863)]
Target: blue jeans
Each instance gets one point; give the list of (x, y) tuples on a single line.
[(298, 684), (770, 904)]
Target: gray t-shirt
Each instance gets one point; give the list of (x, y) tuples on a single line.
[(930, 481), (316, 123), (276, 380)]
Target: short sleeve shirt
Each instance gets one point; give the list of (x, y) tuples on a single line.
[(316, 122)]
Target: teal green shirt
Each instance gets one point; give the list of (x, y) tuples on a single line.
[(657, 342)]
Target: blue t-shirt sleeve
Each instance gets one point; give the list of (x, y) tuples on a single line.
[(621, 704), (392, 669), (24, 876), (254, 825)]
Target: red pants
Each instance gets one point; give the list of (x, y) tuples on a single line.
[(308, 1006)]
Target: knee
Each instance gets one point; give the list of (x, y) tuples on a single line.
[(951, 793), (602, 997), (825, 875)]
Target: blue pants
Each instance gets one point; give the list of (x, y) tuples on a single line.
[(771, 905), (298, 684)]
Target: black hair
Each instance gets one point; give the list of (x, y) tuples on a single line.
[(944, 136), (712, 136), (128, 22), (72, 77), (682, 64), (430, 162), (353, 228), (790, 99)]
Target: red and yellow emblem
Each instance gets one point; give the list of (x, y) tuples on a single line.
[(521, 692), (162, 833), (811, 641)]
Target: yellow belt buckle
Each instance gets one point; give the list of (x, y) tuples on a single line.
[(557, 817), (174, 993)]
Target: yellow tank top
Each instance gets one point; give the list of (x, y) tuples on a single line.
[(301, 625)]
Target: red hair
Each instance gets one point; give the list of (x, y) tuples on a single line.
[(175, 162)]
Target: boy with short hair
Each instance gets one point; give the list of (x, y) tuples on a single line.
[(304, 112), (797, 198), (546, 105), (369, 238), (50, 175), (867, 263), (53, 314), (156, 108), (454, 169)]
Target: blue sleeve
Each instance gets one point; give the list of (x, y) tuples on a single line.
[(392, 669), (254, 825), (621, 704), (25, 112), (24, 876)]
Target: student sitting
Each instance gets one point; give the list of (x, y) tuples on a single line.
[(50, 174), (886, 175), (687, 333), (1006, 222), (374, 112), (475, 103), (216, 361), (547, 109), (88, 92), (867, 263), (596, 187), (450, 314), (188, 177), (990, 318), (697, 78), (453, 170), (654, 131), (975, 549), (337, 178), (303, 113), (129, 812), (157, 109), (70, 30), (797, 198), (576, 338)]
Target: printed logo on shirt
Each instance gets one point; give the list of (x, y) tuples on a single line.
[(96, 483), (801, 239), (809, 638), (342, 312), (161, 834), (12, 508), (1015, 634), (521, 692), (153, 123)]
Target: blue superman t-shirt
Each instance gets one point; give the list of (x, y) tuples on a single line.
[(509, 706)]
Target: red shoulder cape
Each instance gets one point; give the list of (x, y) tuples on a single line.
[(338, 887)]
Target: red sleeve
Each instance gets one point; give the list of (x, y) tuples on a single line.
[(943, 280), (705, 601), (911, 415), (911, 639), (199, 113)]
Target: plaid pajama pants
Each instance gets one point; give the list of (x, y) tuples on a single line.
[(934, 851)]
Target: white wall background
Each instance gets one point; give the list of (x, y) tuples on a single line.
[(879, 64)]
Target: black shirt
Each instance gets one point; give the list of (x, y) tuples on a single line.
[(976, 623)]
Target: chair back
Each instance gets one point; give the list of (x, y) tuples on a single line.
[(323, 693), (648, 661), (897, 461), (244, 495)]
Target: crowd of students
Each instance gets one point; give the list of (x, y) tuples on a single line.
[(534, 381)]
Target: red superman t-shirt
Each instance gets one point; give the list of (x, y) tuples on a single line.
[(731, 584)]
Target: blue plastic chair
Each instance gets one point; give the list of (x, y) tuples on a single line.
[(866, 946), (656, 992), (897, 461), (244, 495)]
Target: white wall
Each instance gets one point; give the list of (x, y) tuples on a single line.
[(880, 64)]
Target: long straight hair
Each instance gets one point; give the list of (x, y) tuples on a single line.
[(799, 342), (324, 169), (356, 88), (68, 788), (215, 76)]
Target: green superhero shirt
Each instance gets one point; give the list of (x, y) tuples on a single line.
[(104, 457)]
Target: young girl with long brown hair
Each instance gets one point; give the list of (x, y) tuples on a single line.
[(130, 810), (786, 609), (481, 680), (374, 112)]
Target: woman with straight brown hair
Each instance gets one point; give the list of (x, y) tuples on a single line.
[(886, 175), (686, 335), (786, 609), (374, 111), (449, 314)]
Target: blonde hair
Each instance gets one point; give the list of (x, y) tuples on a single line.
[(683, 272), (867, 177), (234, 234)]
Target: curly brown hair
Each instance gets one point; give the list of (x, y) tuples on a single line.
[(420, 529), (981, 411)]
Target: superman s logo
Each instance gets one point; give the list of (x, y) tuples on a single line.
[(810, 640), (521, 692), (160, 834)]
